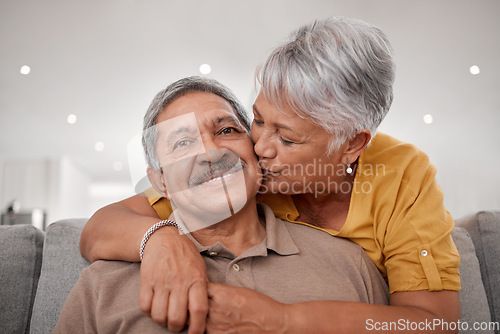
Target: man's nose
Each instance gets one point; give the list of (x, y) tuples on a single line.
[(212, 152)]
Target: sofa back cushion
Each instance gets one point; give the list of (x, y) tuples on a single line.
[(62, 264), (484, 229), (473, 301), (20, 263)]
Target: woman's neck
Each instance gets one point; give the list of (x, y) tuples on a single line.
[(324, 210)]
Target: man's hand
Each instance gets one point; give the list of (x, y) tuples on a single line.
[(236, 310), (174, 282)]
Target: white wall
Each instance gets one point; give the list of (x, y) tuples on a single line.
[(56, 185), (26, 181)]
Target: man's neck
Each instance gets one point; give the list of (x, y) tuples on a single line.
[(238, 233)]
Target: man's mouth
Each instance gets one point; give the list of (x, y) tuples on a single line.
[(217, 173)]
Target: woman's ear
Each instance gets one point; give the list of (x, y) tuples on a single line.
[(358, 144), (155, 177)]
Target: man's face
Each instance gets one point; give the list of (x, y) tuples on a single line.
[(209, 167)]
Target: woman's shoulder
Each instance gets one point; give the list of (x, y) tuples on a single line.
[(392, 155)]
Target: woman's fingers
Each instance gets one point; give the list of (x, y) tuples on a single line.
[(173, 283), (159, 306), (145, 298), (198, 307), (177, 311)]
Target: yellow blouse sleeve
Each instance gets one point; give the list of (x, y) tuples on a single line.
[(160, 204), (418, 251)]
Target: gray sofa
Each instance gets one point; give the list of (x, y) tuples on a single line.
[(38, 269)]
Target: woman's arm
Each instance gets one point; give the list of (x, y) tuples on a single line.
[(173, 273), (242, 309), (115, 231)]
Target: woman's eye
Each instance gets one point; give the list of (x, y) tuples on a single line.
[(257, 122), (286, 142)]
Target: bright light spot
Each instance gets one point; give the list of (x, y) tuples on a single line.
[(205, 69), (428, 119), (25, 70), (71, 119), (474, 70), (99, 146), (117, 166)]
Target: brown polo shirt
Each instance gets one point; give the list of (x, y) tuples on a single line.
[(294, 263)]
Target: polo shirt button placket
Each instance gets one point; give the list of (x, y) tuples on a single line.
[(236, 267)]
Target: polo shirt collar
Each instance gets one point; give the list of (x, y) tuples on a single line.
[(277, 239)]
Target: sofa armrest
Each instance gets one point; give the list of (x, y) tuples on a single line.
[(61, 267), (20, 263)]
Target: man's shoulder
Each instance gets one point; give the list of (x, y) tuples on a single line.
[(317, 240), (106, 271)]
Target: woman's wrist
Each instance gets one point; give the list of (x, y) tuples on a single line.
[(152, 230), (295, 319), (167, 237)]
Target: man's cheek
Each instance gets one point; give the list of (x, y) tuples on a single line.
[(177, 175)]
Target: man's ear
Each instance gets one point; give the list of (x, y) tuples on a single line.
[(155, 177), (357, 145)]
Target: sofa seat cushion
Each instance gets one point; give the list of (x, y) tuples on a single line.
[(20, 263)]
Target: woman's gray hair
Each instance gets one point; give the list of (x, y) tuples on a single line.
[(171, 93), (336, 72)]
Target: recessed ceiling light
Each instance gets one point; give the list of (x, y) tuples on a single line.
[(428, 119), (117, 166), (25, 69), (71, 119), (99, 146), (474, 70), (205, 69)]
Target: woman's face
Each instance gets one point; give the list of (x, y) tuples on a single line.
[(292, 152)]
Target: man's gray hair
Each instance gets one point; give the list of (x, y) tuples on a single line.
[(171, 93), (336, 72)]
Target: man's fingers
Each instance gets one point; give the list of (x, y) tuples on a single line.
[(213, 289), (198, 307), (159, 306)]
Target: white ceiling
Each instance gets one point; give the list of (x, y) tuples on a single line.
[(103, 60)]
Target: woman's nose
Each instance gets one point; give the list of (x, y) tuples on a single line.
[(264, 146)]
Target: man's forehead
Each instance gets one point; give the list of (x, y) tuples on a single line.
[(193, 119)]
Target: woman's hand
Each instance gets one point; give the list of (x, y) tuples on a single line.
[(235, 310), (174, 282)]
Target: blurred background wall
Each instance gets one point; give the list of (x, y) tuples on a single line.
[(77, 76)]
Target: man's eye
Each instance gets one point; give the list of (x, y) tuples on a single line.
[(182, 143), (228, 130)]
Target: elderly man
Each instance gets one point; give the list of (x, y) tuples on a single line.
[(201, 158)]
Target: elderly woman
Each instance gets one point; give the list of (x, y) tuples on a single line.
[(323, 95)]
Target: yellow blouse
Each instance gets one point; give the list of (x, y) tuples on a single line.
[(396, 214)]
